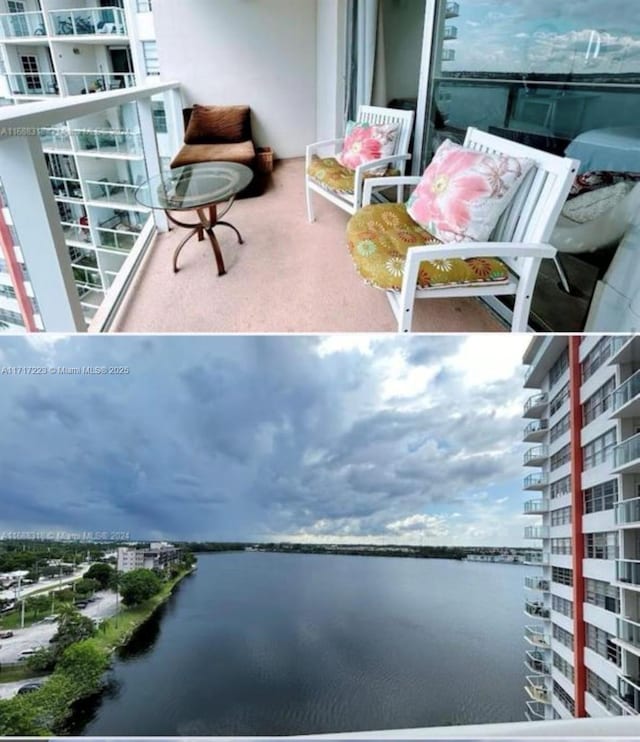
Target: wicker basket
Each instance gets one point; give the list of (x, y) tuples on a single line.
[(264, 160)]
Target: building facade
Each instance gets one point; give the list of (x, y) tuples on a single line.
[(159, 555), (583, 422), (51, 50)]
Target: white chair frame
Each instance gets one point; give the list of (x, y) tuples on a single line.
[(520, 239), (351, 202)]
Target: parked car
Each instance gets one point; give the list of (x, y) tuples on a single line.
[(6, 634), (49, 619), (29, 688), (26, 653)]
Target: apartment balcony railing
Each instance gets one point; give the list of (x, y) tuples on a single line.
[(536, 456), (535, 431), (535, 405), (536, 661), (536, 532), (536, 481), (628, 511), (452, 10), (107, 21), (625, 393), (535, 710), (36, 84), (78, 83), (44, 237), (21, 25), (629, 693), (626, 456), (448, 55), (538, 610), (628, 571), (536, 507), (119, 194), (537, 636), (536, 583), (629, 632), (450, 33), (66, 188), (537, 689), (535, 557)]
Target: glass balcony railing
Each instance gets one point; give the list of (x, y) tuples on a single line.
[(535, 405), (107, 21), (448, 55), (40, 83), (535, 710), (111, 239), (628, 511), (107, 141), (536, 661), (96, 82), (536, 507), (536, 583), (538, 610), (450, 33), (66, 188), (535, 429), (626, 392), (76, 233), (536, 532), (628, 570), (537, 689), (629, 692), (627, 451), (534, 557), (535, 455), (56, 138), (629, 632), (538, 480), (537, 636), (452, 10), (102, 191), (20, 25)]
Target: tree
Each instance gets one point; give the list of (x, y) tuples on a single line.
[(43, 660), (139, 585), (84, 663), (103, 573), (87, 586), (72, 627)]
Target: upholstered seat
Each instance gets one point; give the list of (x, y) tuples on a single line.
[(379, 238), (329, 174), (243, 153)]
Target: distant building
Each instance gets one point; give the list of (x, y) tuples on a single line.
[(158, 555)]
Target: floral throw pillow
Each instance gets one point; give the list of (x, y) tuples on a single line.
[(365, 143), (463, 193)]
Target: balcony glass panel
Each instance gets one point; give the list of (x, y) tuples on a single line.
[(118, 193), (534, 557), (627, 391), (18, 25), (538, 453), (536, 532), (107, 21), (55, 138), (536, 507), (627, 451), (537, 662), (36, 83), (538, 610), (96, 82), (536, 426), (66, 188), (536, 583), (629, 692), (628, 511), (538, 479), (537, 636), (628, 570), (629, 631)]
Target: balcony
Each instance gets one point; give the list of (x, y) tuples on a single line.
[(102, 192), (536, 507), (537, 637), (536, 609), (535, 431), (536, 532), (22, 26), (626, 398), (628, 512), (535, 557), (535, 711), (535, 406), (628, 572), (536, 661), (33, 85), (78, 83), (450, 33), (536, 583), (536, 456), (629, 632), (624, 349), (626, 456), (448, 55), (629, 692), (452, 10), (536, 481), (95, 23), (537, 689)]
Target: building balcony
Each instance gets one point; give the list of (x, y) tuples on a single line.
[(536, 711), (537, 690), (629, 693), (79, 83), (450, 33), (536, 507), (628, 572), (535, 431), (536, 456), (103, 193), (536, 532), (537, 662), (629, 633), (94, 23), (452, 10), (536, 609), (628, 512), (22, 26), (626, 456), (535, 558), (536, 481), (535, 582), (624, 349), (448, 55), (537, 636), (535, 406), (33, 85), (626, 398)]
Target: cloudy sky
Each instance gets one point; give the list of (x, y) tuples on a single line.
[(367, 440), (547, 36)]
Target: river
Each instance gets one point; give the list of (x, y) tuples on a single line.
[(274, 644)]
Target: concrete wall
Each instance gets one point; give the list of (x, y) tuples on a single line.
[(331, 51), (256, 52)]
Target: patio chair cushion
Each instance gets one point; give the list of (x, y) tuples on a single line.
[(218, 125), (379, 237), (365, 142), (243, 153), (464, 192), (329, 174)]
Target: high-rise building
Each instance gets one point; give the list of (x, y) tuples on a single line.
[(50, 50), (584, 604)]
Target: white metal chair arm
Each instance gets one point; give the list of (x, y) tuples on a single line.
[(466, 250), (398, 182), (374, 164)]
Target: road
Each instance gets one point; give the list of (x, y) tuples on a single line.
[(42, 585), (38, 635)]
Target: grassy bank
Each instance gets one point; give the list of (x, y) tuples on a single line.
[(15, 673), (78, 674)]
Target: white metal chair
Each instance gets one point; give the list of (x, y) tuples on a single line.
[(520, 240), (351, 200)]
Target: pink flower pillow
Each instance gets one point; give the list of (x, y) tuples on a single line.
[(463, 193), (368, 142)]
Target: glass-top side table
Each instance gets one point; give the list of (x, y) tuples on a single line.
[(199, 188)]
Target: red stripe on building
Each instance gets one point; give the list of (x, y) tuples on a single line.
[(577, 536), (15, 273)]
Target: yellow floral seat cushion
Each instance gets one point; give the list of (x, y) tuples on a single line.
[(379, 237), (329, 174)]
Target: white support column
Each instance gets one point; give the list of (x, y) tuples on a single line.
[(424, 87), (151, 153), (37, 222), (175, 119)]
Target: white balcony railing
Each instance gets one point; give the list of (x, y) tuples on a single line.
[(107, 21), (536, 583), (628, 571), (536, 455), (629, 632), (536, 507), (22, 25), (535, 481), (536, 532), (628, 511), (79, 83), (535, 430), (35, 84), (538, 610), (452, 10), (537, 662), (26, 132), (535, 405), (537, 636), (535, 557)]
